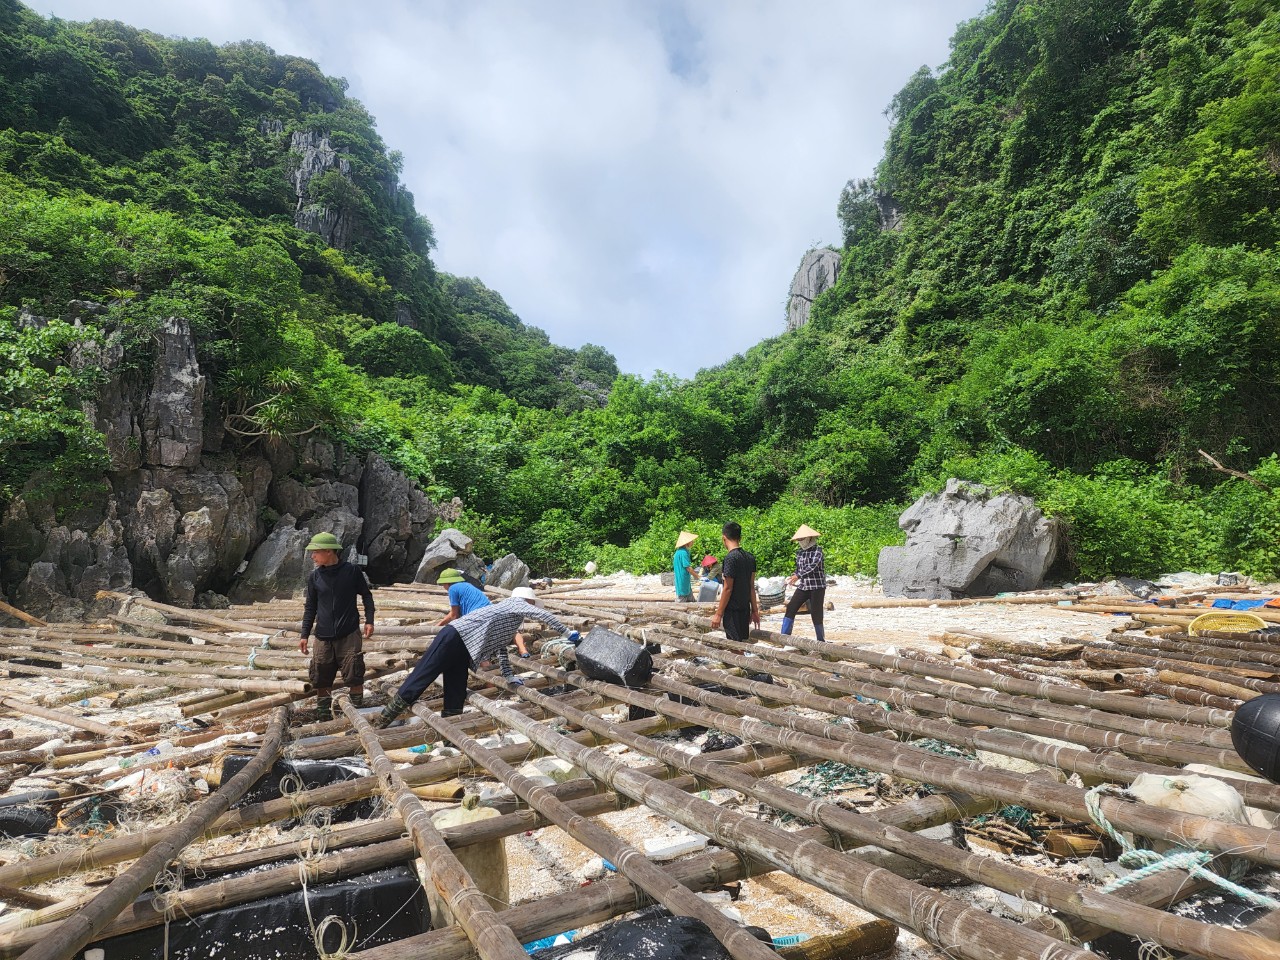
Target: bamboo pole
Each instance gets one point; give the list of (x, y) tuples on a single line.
[(1197, 682), (888, 603), (1173, 651), (1149, 709), (813, 672), (1260, 658), (1085, 762), (1182, 694), (845, 745), (468, 904), (21, 615), (125, 647), (1118, 658), (76, 931), (1012, 705), (66, 719), (117, 849), (178, 679), (962, 931), (535, 919), (631, 863), (1082, 901)]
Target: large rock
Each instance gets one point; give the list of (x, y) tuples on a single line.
[(967, 542), (188, 531), (77, 558), (115, 408), (508, 573), (818, 272), (398, 520), (278, 567), (313, 156), (173, 420), (452, 548)]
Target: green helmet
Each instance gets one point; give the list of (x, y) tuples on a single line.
[(324, 541), (450, 575)]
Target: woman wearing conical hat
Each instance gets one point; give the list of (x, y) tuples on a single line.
[(682, 566), (810, 581)]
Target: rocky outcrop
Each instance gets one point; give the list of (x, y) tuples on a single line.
[(452, 548), (173, 418), (278, 567), (969, 542), (818, 272), (186, 523), (314, 155), (58, 565), (398, 519), (508, 573)]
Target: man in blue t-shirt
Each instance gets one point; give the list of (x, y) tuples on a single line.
[(464, 598)]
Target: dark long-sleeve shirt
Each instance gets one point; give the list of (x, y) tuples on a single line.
[(331, 601)]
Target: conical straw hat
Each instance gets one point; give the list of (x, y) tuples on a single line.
[(685, 539), (805, 531)]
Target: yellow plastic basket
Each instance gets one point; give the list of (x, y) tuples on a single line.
[(1226, 623)]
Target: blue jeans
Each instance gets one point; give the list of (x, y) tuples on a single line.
[(447, 657)]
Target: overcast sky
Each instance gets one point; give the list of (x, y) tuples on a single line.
[(645, 175)]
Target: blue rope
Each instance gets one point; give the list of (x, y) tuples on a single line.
[(1145, 863)]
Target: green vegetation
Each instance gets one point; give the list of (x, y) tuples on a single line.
[(1078, 288)]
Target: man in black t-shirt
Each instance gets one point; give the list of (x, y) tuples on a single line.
[(332, 590), (739, 607)]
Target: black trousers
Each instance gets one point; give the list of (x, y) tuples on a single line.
[(446, 657), (737, 624), (815, 598)]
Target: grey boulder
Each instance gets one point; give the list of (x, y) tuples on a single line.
[(969, 542), (508, 573), (452, 548), (398, 519)]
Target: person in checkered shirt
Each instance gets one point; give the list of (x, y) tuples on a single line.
[(809, 580)]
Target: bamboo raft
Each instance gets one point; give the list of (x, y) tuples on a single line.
[(1051, 721)]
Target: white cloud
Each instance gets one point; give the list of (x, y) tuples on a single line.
[(641, 175)]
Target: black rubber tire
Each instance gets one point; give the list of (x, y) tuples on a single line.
[(25, 822)]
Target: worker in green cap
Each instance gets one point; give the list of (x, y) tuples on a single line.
[(332, 589)]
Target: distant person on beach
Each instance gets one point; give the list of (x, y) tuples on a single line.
[(682, 566), (810, 581), (330, 608), (739, 605)]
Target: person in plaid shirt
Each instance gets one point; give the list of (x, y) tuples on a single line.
[(809, 580), (466, 643)]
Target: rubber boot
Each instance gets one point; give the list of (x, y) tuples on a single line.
[(389, 713), (451, 713), (820, 632), (357, 697), (787, 624), (324, 708)]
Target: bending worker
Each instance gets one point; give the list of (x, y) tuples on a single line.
[(462, 645), (332, 588), (465, 598), (810, 581)]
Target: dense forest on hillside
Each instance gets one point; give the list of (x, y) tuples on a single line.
[(1063, 278)]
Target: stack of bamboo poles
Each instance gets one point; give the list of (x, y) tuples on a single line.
[(826, 703)]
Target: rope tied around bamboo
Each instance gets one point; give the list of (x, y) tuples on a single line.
[(1145, 863)]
